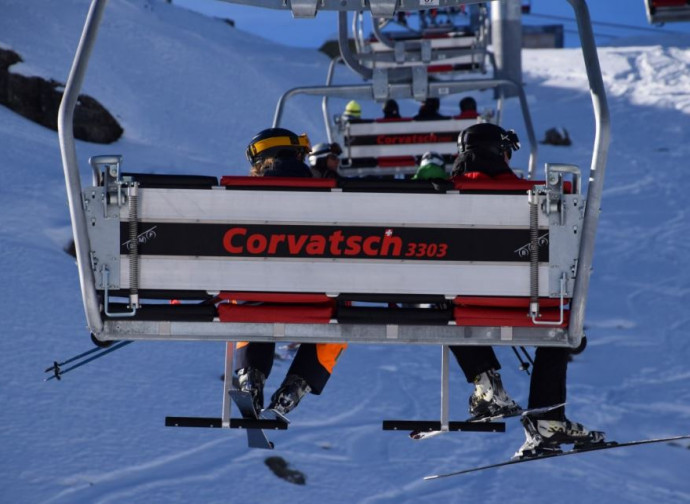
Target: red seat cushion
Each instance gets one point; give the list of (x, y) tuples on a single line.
[(276, 307), (316, 313), (504, 302), (502, 317), (235, 181), (276, 297)]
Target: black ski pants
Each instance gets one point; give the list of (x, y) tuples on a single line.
[(313, 361), (548, 381)]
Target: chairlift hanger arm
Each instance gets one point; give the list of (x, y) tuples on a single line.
[(595, 188)]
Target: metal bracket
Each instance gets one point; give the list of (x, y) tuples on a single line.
[(555, 177), (426, 51), (535, 313), (383, 8), (106, 299), (107, 173), (380, 84), (420, 83), (303, 8), (399, 51)]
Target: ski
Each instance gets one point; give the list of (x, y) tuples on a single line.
[(271, 414), (605, 445), (256, 438), (420, 434), (518, 412)]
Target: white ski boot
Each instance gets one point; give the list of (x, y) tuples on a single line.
[(490, 398)]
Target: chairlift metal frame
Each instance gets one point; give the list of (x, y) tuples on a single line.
[(667, 11), (468, 51), (108, 329), (104, 328)]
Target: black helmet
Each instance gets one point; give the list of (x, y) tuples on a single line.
[(390, 109), (468, 103), (489, 137), (272, 141), (322, 151)]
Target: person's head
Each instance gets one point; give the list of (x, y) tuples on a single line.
[(432, 166), (489, 138), (353, 109), (275, 143), (390, 109), (432, 104), (468, 104), (325, 157)]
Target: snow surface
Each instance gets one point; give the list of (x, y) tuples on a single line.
[(190, 91)]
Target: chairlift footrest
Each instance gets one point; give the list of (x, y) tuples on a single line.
[(250, 423), (193, 422), (235, 423), (435, 425)]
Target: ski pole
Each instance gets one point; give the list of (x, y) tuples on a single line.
[(524, 366), (71, 359), (58, 372), (529, 357)]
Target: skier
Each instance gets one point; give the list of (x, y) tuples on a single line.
[(278, 152), (431, 167), (468, 108), (353, 111), (390, 109), (324, 160), (484, 152), (428, 110)]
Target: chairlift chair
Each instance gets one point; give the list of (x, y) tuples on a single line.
[(441, 50), (667, 11), (199, 242)]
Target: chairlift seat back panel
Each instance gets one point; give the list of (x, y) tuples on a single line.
[(391, 243), (368, 146)]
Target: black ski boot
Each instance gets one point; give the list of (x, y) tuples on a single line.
[(289, 394), (252, 380)]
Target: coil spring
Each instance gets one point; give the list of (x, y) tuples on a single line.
[(534, 248), (134, 241)]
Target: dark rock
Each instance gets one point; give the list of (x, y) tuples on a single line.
[(38, 100), (556, 136)]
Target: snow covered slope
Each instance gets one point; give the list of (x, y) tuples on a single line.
[(190, 92)]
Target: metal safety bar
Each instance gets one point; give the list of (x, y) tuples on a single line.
[(400, 90), (379, 8)]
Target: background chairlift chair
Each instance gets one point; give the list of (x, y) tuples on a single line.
[(667, 11), (441, 50)]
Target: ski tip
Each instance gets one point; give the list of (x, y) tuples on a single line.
[(432, 477)]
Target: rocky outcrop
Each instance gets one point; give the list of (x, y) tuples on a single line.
[(38, 100)]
